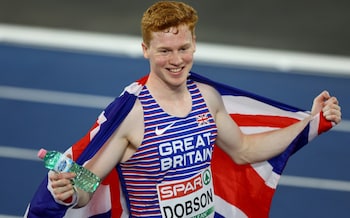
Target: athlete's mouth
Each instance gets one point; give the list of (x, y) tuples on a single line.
[(175, 70)]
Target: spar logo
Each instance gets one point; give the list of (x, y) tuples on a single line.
[(180, 189), (206, 177), (192, 197)]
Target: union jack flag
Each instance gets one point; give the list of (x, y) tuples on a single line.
[(240, 190), (202, 119)]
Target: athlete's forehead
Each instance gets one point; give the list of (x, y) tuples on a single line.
[(173, 36)]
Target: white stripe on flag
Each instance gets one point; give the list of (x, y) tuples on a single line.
[(226, 209), (245, 105), (313, 130), (264, 169), (101, 202)]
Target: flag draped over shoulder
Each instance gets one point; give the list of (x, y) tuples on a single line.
[(240, 190)]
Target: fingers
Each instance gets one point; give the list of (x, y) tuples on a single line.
[(61, 176), (332, 110), (62, 186), (329, 105), (332, 100), (64, 193), (322, 97)]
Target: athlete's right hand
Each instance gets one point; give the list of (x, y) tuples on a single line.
[(62, 186)]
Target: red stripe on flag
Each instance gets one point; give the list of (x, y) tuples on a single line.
[(113, 181), (241, 186), (78, 147), (143, 80), (324, 124), (263, 120)]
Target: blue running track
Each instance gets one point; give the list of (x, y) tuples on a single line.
[(41, 105)]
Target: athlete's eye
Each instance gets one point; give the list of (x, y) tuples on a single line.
[(164, 51)]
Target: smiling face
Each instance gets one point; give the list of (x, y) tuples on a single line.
[(170, 53), (168, 33)]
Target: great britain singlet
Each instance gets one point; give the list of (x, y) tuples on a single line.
[(169, 175)]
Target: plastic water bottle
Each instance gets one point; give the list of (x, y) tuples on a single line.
[(58, 162)]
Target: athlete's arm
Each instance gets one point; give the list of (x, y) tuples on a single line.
[(116, 149), (119, 147), (263, 146)]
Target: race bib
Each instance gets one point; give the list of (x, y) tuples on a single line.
[(192, 197)]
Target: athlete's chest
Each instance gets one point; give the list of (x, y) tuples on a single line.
[(177, 141)]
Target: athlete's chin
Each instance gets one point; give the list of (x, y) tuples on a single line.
[(178, 80)]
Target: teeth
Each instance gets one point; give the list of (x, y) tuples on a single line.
[(175, 70)]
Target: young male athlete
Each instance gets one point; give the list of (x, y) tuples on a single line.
[(161, 143)]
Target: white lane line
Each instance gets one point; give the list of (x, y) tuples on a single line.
[(128, 45), (83, 100), (18, 153), (316, 183), (343, 126), (8, 216), (54, 97), (294, 181)]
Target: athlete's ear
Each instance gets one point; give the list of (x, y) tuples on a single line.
[(194, 43), (144, 50)]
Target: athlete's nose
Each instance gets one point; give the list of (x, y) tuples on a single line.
[(175, 58)]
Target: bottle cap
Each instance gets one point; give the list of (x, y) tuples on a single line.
[(41, 154)]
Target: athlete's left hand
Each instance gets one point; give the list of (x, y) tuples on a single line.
[(329, 105)]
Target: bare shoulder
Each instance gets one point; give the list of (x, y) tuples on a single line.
[(211, 97), (207, 90), (132, 127), (134, 120)]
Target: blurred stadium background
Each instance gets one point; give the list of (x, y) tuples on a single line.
[(317, 32), (308, 26)]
